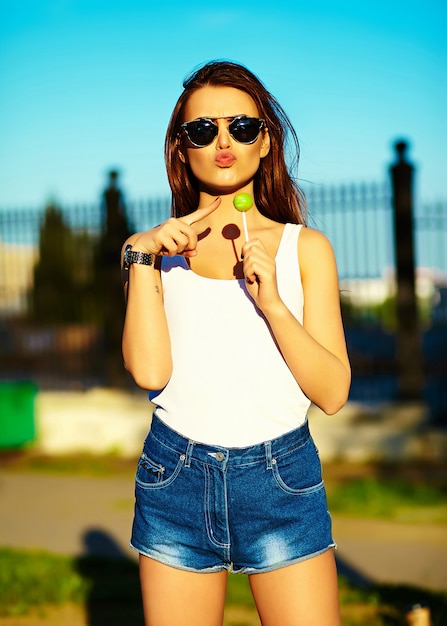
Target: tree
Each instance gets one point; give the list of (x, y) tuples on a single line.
[(53, 299)]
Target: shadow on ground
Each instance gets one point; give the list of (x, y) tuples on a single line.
[(114, 588), (393, 601)]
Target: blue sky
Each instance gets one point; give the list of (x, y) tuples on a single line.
[(86, 85)]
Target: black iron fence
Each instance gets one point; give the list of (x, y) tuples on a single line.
[(61, 305)]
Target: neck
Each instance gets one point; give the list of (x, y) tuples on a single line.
[(227, 217), (226, 208)]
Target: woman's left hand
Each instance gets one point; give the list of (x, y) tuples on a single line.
[(260, 275)]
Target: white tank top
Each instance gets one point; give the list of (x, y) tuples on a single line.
[(230, 385)]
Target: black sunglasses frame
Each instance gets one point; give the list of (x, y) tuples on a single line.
[(235, 120)]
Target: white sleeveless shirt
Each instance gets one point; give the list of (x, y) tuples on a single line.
[(230, 385)]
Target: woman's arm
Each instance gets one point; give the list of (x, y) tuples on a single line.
[(146, 343), (315, 351)]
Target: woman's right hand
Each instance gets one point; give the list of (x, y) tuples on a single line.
[(176, 236)]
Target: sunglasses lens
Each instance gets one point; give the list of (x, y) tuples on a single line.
[(201, 132), (245, 130)]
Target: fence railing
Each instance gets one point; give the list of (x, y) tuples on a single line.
[(59, 328), (358, 221)]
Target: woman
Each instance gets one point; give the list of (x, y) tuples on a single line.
[(234, 338)]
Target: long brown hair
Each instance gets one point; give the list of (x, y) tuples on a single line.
[(277, 194)]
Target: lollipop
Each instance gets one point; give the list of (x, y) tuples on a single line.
[(243, 203)]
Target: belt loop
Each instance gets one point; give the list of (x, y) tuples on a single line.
[(189, 450), (268, 453)]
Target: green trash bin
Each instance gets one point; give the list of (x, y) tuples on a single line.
[(17, 415)]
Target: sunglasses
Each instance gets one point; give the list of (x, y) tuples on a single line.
[(203, 131)]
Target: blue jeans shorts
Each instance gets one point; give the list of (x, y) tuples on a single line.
[(205, 508)]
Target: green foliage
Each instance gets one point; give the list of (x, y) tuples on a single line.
[(383, 314), (239, 592), (63, 289), (386, 605), (386, 498), (53, 280), (30, 579)]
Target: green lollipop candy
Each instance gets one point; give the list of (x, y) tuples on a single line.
[(243, 203)]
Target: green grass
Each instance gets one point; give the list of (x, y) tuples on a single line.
[(109, 589), (386, 605), (396, 499), (29, 579)]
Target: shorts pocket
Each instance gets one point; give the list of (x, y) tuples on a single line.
[(158, 468), (299, 472)]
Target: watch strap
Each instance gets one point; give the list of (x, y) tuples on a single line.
[(136, 256)]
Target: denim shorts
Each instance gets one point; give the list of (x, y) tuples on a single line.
[(205, 508)]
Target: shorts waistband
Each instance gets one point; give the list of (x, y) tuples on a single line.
[(222, 457)]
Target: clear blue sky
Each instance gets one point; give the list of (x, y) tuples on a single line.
[(86, 85)]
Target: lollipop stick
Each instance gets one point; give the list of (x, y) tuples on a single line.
[(244, 222)]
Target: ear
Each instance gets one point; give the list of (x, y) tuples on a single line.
[(265, 142)]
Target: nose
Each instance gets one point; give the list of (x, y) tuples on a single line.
[(223, 135)]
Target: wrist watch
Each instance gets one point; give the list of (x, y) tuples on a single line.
[(134, 256)]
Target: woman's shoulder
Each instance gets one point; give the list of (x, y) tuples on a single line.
[(314, 248), (310, 237)]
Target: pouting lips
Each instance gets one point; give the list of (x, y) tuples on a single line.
[(225, 159)]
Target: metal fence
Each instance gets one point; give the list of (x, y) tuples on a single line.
[(68, 344)]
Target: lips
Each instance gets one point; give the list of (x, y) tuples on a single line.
[(225, 158)]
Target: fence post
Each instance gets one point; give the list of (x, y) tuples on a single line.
[(409, 349), (115, 231)]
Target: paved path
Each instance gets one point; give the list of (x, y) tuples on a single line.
[(77, 515)]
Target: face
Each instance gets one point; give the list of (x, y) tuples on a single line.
[(225, 165)]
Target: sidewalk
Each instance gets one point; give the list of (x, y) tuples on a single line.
[(76, 515)]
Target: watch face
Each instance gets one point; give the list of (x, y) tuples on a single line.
[(126, 257)]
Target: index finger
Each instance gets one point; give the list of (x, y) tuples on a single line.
[(199, 214)]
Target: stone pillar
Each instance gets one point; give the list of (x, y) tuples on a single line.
[(409, 349)]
